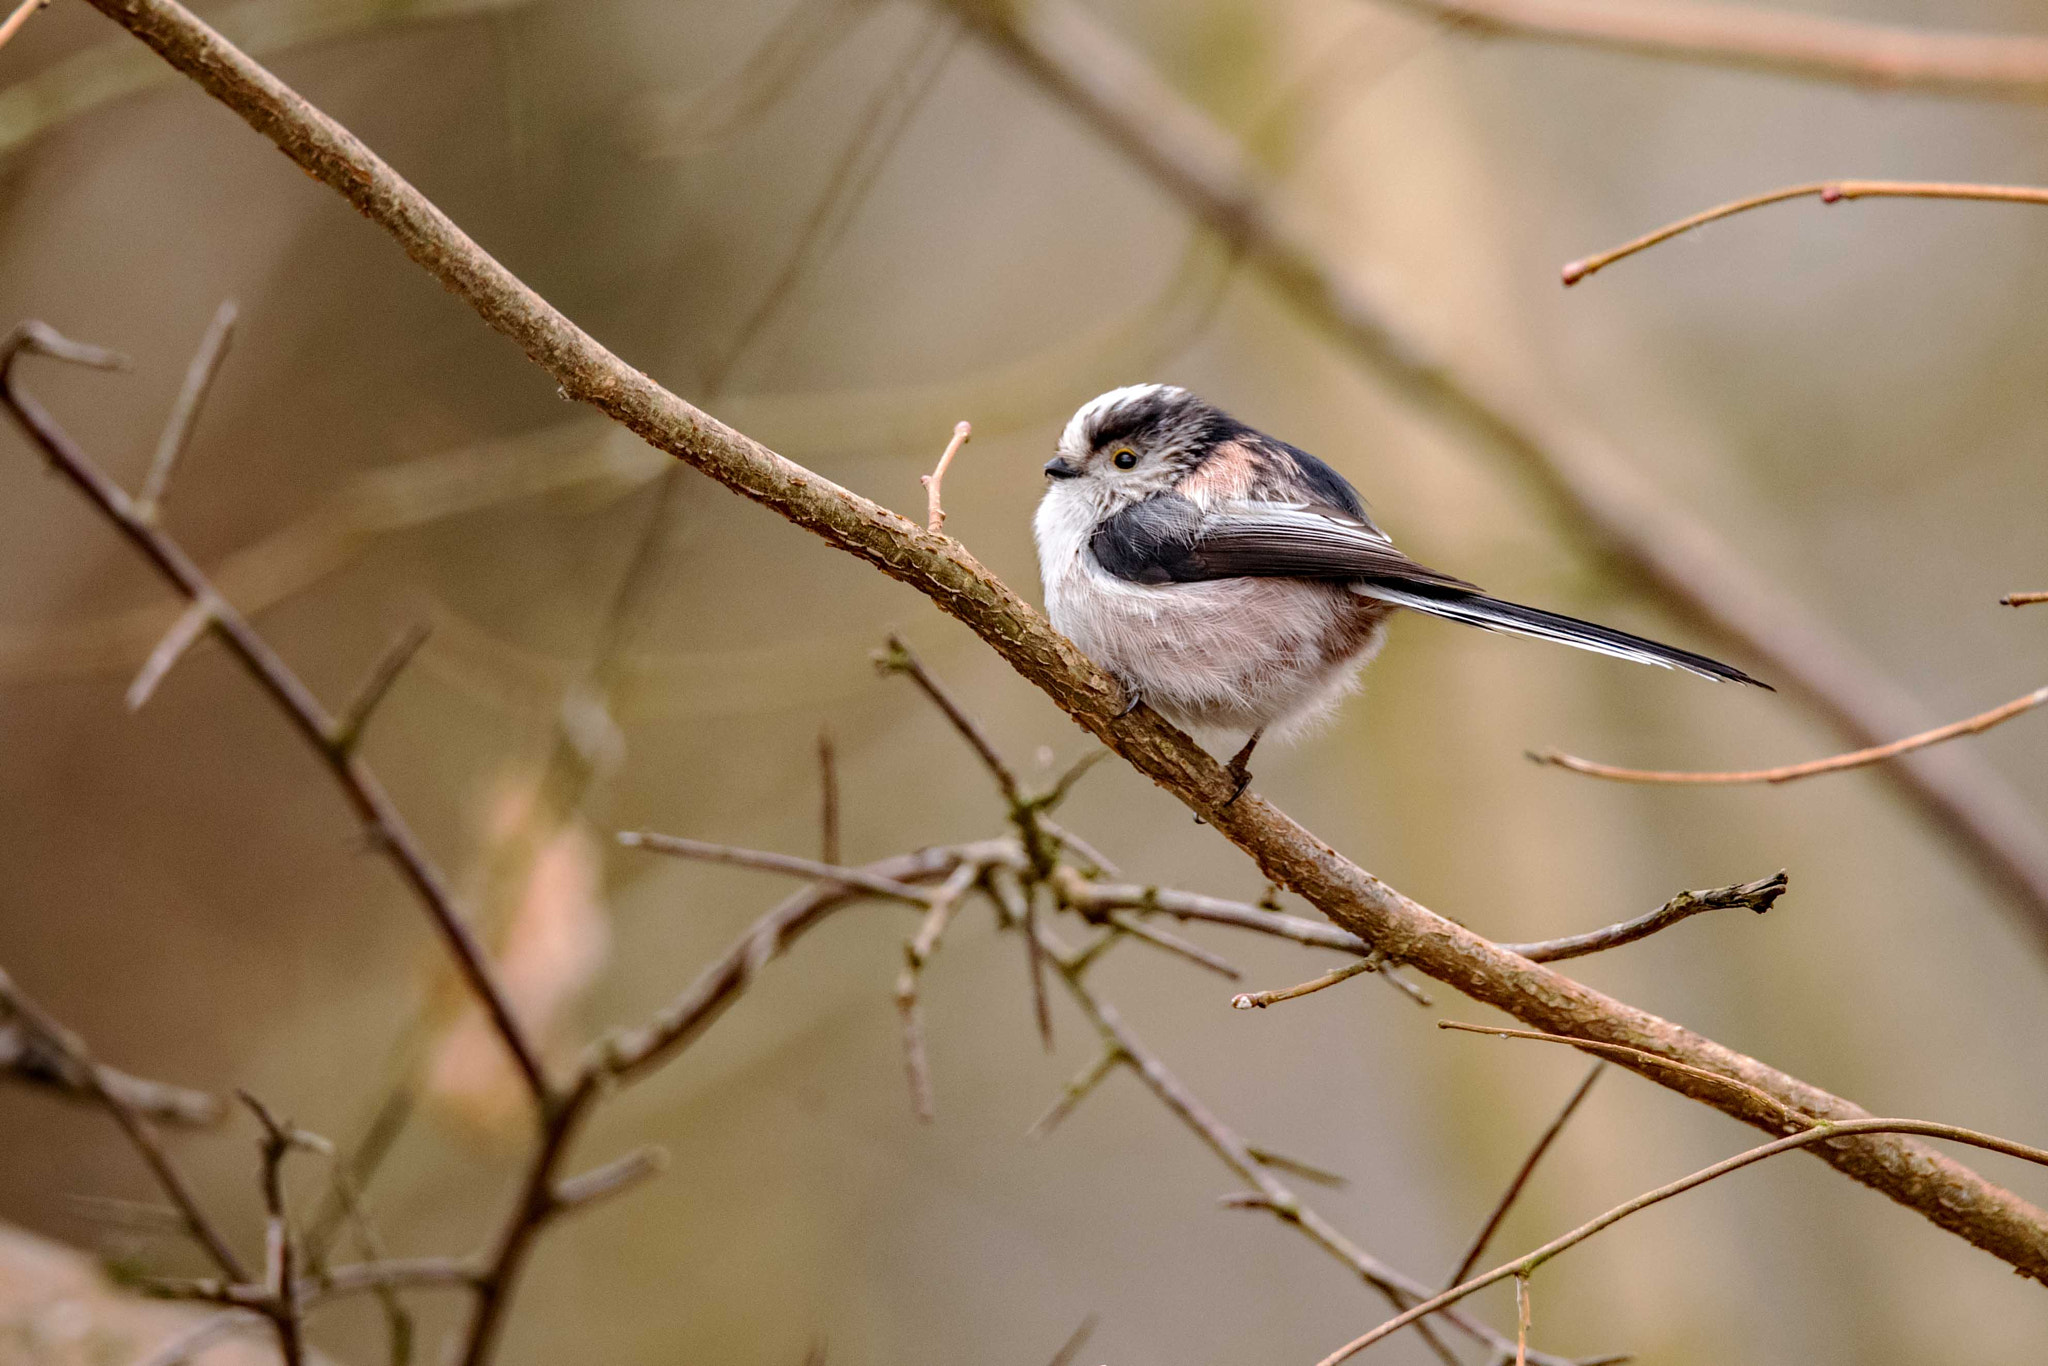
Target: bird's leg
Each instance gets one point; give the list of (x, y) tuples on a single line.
[(1238, 767), (1133, 698)]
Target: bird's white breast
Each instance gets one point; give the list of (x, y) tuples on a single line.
[(1235, 654)]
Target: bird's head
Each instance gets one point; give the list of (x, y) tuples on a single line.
[(1131, 443)]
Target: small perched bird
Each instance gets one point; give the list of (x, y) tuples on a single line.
[(1235, 582)]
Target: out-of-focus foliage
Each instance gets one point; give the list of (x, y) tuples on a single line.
[(1850, 395)]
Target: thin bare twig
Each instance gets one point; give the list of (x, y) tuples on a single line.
[(280, 1244), (602, 1183), (1034, 962), (1825, 1132), (1758, 896), (134, 1123), (897, 658), (1827, 191), (633, 1053), (1523, 1173), (1808, 46), (1861, 758), (1097, 898), (828, 797), (1522, 1323), (1604, 496), (1102, 863), (679, 847), (1294, 1166), (1792, 1116), (538, 1203), (373, 807), (347, 1193), (190, 625), (177, 433), (355, 718), (1174, 944), (1076, 1340), (935, 509), (917, 951), (1259, 1000), (1077, 1091), (27, 1057), (1094, 898), (14, 21), (2022, 599)]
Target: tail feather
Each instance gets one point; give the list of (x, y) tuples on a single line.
[(1492, 614)]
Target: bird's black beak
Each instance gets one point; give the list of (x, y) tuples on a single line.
[(1058, 468)]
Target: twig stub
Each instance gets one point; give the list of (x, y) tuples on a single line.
[(935, 510)]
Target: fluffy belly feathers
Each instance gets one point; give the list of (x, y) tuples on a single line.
[(1234, 654)]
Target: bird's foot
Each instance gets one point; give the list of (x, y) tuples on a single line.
[(1133, 698), (1239, 767)]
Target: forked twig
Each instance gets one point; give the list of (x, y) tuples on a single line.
[(1827, 191), (935, 510), (1861, 758)]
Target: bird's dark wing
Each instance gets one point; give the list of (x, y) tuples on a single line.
[(1172, 539), (1150, 542)]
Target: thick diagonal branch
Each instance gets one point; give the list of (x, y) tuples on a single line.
[(1915, 1175)]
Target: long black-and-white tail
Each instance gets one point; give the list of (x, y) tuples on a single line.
[(1492, 614)]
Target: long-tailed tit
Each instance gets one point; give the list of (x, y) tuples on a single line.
[(1234, 582)]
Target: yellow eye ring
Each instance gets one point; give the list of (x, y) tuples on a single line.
[(1124, 459)]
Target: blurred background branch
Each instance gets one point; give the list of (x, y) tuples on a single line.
[(1806, 46)]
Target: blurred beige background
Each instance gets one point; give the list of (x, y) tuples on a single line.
[(1849, 395)]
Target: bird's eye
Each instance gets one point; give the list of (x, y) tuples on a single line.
[(1124, 460)]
